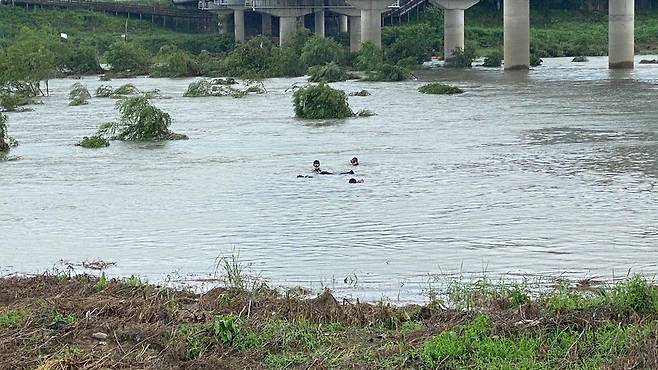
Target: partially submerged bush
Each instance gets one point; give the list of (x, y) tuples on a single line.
[(222, 87), (140, 121), (104, 91), (535, 60), (79, 94), (360, 93), (4, 146), (649, 61), (439, 89), (387, 72), (95, 141), (461, 58), (127, 89), (493, 60), (330, 72), (320, 102), (580, 59), (365, 113)]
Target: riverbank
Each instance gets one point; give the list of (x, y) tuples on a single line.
[(87, 322)]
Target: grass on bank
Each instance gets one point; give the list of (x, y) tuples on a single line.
[(476, 325)]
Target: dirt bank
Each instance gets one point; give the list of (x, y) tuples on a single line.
[(58, 322)]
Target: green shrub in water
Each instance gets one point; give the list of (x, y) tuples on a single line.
[(387, 72), (139, 121), (580, 59), (535, 60), (320, 102), (4, 146), (104, 91), (360, 93), (493, 60), (461, 58), (439, 89), (330, 72), (79, 94), (94, 141)]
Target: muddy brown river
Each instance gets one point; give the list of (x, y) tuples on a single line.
[(549, 172)]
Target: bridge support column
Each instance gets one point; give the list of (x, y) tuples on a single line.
[(371, 19), (516, 14), (319, 23), (355, 34), (342, 20), (238, 24), (266, 24), (621, 34), (287, 29), (453, 23)]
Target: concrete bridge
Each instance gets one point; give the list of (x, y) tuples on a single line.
[(363, 20)]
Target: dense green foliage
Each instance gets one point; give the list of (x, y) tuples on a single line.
[(320, 102), (139, 120), (493, 59), (331, 72), (439, 89), (92, 142), (369, 58), (461, 58), (173, 62), (320, 51), (128, 57), (387, 72)]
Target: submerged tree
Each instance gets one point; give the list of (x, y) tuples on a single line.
[(139, 120), (320, 102), (461, 58), (439, 89), (222, 87), (493, 60), (79, 94), (4, 146), (387, 72), (330, 72)]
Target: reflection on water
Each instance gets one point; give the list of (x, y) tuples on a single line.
[(547, 172)]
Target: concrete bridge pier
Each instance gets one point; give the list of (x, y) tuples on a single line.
[(266, 24), (319, 23), (516, 15), (355, 33), (238, 24), (371, 19), (353, 18), (342, 23), (453, 23), (288, 21), (621, 34)]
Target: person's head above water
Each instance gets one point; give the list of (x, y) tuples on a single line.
[(354, 161), (352, 181), (316, 164)]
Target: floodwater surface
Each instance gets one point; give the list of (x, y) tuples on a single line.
[(547, 172)]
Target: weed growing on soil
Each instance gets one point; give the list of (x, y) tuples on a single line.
[(101, 283), (502, 326), (12, 318)]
